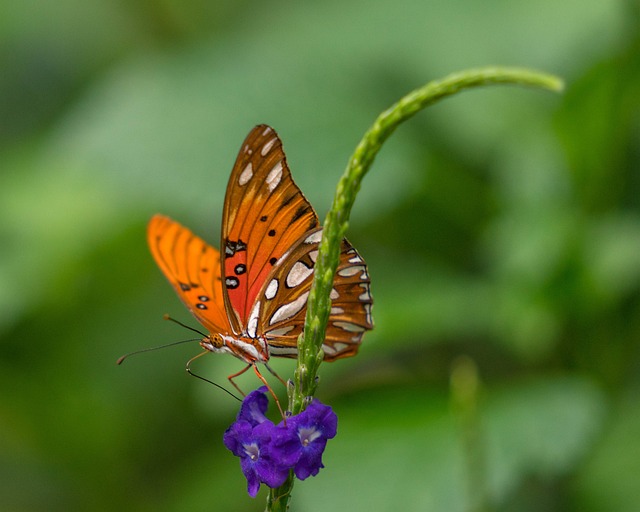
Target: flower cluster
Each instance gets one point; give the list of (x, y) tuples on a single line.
[(268, 452)]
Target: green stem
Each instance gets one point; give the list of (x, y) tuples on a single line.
[(465, 400), (310, 353), (278, 498)]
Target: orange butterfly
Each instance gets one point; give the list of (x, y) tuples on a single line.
[(252, 296)]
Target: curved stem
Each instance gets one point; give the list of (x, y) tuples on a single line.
[(310, 354), (336, 222)]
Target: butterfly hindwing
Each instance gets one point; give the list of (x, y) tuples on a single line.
[(350, 306), (192, 267), (279, 312), (265, 214)]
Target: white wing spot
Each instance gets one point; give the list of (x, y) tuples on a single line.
[(328, 349), (298, 273), (351, 271), (336, 310), (339, 347), (271, 290), (334, 294), (290, 309), (282, 351), (365, 295), (281, 331), (252, 324), (267, 129), (314, 238), (349, 326), (267, 147), (246, 175), (313, 255), (367, 309), (274, 176)]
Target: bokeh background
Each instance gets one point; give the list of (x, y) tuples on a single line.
[(501, 228)]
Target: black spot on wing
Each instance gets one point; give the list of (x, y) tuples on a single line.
[(231, 247), (232, 282)]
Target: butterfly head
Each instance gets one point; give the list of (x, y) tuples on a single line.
[(214, 342)]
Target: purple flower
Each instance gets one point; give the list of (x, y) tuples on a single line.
[(268, 452), (264, 450), (313, 427)]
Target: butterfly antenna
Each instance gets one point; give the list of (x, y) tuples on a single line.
[(122, 358), (190, 372), (167, 317)]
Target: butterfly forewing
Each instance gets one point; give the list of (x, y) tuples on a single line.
[(265, 214), (192, 267), (281, 306)]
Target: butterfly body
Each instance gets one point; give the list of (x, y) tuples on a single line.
[(250, 350), (251, 296)]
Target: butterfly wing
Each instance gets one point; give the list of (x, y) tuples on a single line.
[(279, 312), (265, 214), (193, 268)]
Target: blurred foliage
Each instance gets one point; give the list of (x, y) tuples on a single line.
[(502, 225)]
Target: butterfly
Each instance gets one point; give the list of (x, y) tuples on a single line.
[(251, 295)]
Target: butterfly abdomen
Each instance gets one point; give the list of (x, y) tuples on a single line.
[(250, 350)]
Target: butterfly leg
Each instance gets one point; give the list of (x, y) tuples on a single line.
[(264, 381), (231, 377)]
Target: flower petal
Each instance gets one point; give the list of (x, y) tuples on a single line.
[(254, 406), (236, 435), (310, 462), (285, 446), (249, 471), (313, 427), (271, 473)]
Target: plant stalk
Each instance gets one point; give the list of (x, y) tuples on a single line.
[(310, 354)]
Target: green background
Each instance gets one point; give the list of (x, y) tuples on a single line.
[(501, 228)]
